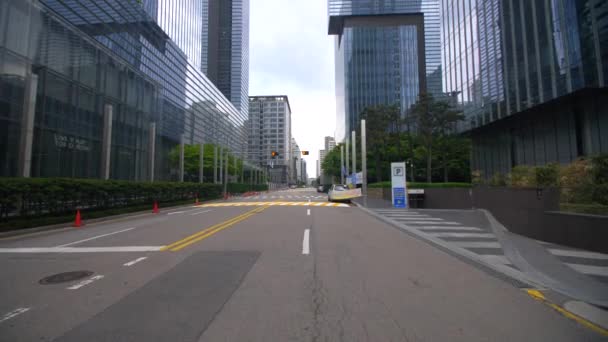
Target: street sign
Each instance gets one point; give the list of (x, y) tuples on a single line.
[(398, 185)]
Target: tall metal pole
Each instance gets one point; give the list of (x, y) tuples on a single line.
[(201, 162), (354, 146), (363, 163), (347, 158), (342, 164), (215, 164), (221, 173), (226, 175), (181, 158)]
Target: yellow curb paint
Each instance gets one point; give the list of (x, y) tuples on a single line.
[(539, 296)]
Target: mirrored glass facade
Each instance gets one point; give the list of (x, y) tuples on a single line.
[(81, 70), (225, 48), (529, 76), (387, 52)]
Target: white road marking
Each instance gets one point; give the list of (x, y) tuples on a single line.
[(81, 249), (176, 212), (85, 282), (423, 228), (463, 235), (415, 218), (578, 254), (200, 212), (589, 269), (496, 259), (476, 244), (308, 212), (433, 222), (306, 242), (96, 237), (13, 313), (131, 263)]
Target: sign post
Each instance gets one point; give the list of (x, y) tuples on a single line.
[(398, 185)]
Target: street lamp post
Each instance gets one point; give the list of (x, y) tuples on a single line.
[(363, 163)]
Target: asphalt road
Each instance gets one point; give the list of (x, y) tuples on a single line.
[(287, 268)]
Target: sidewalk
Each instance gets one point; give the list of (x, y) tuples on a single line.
[(475, 234)]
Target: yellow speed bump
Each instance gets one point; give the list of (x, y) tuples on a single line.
[(205, 233), (280, 204)]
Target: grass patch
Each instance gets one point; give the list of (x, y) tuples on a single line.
[(39, 221), (419, 185), (593, 209)]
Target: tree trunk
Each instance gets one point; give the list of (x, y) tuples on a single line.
[(429, 156)]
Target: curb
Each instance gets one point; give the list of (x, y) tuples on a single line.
[(90, 222)]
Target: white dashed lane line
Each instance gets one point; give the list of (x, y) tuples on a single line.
[(85, 282), (133, 262), (13, 314), (95, 237)]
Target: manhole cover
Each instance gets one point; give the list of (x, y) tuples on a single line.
[(65, 277)]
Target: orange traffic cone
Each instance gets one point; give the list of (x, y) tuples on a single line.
[(77, 221), (155, 208)]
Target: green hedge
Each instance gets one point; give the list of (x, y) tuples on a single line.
[(417, 185), (239, 188), (594, 209), (21, 197)]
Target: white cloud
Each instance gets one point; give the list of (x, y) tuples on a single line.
[(291, 54)]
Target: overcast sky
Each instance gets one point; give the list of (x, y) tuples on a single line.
[(291, 54)]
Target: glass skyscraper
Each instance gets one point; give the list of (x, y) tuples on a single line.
[(97, 88), (530, 77), (387, 52), (225, 48)]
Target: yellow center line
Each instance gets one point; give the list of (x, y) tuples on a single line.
[(195, 235), (207, 233)]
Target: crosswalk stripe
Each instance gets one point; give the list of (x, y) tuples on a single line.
[(423, 228), (463, 235), (476, 244), (578, 254), (590, 269), (401, 218), (433, 222)]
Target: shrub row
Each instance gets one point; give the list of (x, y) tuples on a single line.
[(238, 188), (56, 196), (416, 185)]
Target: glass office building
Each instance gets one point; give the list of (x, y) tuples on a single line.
[(387, 52), (530, 77), (96, 88), (225, 48)]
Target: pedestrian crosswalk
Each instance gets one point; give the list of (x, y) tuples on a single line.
[(274, 203), (485, 244), (288, 197)]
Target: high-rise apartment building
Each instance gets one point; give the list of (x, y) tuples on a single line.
[(386, 51), (530, 77), (225, 48), (101, 90), (269, 129), (330, 143), (322, 154)]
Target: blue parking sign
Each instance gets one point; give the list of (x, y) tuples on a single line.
[(399, 198)]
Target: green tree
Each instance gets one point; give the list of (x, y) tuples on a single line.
[(433, 120), (191, 162), (331, 163), (383, 130)]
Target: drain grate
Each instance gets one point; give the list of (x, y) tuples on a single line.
[(65, 277)]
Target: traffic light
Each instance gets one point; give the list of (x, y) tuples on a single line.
[(274, 154), (304, 153)]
